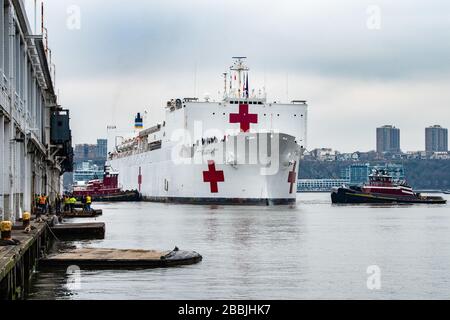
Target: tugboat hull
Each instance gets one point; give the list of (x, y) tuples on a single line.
[(118, 197), (348, 195)]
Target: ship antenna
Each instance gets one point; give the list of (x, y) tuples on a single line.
[(225, 94), (239, 67)]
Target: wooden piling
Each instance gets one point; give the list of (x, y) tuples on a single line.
[(18, 262)]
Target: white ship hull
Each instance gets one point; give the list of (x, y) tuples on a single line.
[(240, 149), (231, 181)]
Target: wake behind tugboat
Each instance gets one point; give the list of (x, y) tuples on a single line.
[(381, 189)]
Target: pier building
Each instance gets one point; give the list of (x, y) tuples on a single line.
[(35, 136)]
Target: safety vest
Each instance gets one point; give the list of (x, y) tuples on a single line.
[(73, 200), (88, 200), (66, 200), (42, 200)]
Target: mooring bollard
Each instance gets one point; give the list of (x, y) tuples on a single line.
[(26, 218), (6, 228)]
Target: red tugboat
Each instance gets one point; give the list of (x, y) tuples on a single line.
[(106, 189), (381, 189)]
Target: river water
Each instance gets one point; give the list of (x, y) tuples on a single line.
[(314, 250)]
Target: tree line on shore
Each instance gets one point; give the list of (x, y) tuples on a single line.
[(420, 174)]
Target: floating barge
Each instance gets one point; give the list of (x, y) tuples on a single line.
[(79, 231), (119, 258), (82, 214), (28, 245)]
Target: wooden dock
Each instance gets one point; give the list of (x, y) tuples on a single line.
[(119, 258), (17, 262), (79, 231)]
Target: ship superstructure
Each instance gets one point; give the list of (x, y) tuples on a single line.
[(241, 149)]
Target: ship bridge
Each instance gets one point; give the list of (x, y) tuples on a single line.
[(239, 110)]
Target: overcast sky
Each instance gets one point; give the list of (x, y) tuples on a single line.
[(357, 69)]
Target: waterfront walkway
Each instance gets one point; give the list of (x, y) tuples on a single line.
[(17, 262)]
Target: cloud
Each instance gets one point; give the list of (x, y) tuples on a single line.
[(310, 36), (130, 55)]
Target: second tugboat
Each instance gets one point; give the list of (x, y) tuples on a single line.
[(106, 189), (381, 189)]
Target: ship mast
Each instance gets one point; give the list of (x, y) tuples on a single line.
[(225, 93), (241, 69)]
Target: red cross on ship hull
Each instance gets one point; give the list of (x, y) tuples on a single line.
[(213, 176), (244, 118)]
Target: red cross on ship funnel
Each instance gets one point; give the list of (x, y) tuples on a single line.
[(243, 117), (213, 176)]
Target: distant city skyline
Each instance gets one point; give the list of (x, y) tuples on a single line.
[(88, 151), (122, 59), (388, 139), (436, 139)]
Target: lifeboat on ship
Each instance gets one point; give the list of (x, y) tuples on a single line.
[(381, 189)]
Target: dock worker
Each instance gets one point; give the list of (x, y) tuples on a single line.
[(88, 203), (72, 202), (66, 203), (42, 203)]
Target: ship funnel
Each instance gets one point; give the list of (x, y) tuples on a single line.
[(138, 121)]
